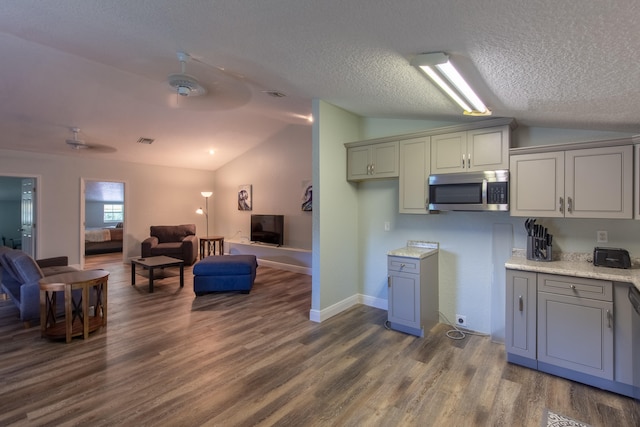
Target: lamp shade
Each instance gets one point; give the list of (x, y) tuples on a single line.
[(206, 193)]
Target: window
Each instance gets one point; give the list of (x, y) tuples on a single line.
[(113, 213)]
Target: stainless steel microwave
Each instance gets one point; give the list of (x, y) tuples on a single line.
[(469, 191)]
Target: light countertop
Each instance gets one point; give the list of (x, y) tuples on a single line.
[(578, 266), (417, 249)]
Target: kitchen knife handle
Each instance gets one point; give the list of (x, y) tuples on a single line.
[(569, 204), (561, 205), (520, 303)]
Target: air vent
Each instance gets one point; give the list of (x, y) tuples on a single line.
[(274, 93), (145, 140)]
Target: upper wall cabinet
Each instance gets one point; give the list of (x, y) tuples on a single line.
[(415, 164), (587, 183), (471, 151), (373, 161)]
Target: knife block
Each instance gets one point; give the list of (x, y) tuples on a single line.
[(535, 251)]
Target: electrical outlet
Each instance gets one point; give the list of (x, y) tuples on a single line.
[(602, 237), (461, 320)]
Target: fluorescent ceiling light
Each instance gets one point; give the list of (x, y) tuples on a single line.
[(439, 69)]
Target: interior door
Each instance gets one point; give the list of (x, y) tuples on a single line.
[(27, 213)]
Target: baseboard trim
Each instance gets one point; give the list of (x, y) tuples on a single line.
[(319, 316), (283, 266)]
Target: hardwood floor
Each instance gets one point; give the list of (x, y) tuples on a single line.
[(169, 358)]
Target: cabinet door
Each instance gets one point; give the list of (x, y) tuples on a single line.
[(488, 149), (576, 333), (358, 161), (449, 153), (404, 299), (415, 164), (520, 325), (384, 160), (599, 183), (537, 185)]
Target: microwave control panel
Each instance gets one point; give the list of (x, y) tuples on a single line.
[(497, 193)]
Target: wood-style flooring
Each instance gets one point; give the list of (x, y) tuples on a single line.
[(171, 359)]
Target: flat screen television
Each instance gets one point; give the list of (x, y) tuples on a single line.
[(267, 229)]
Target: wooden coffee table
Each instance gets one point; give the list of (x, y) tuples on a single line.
[(155, 262)]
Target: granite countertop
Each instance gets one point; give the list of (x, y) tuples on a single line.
[(417, 249), (577, 265)]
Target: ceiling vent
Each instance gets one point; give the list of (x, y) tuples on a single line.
[(147, 141)]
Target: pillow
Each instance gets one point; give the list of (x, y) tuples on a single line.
[(23, 267)]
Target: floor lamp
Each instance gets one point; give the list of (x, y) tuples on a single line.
[(206, 195)]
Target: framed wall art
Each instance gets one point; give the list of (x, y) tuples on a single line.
[(244, 197)]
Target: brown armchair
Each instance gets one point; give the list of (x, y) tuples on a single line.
[(176, 241)]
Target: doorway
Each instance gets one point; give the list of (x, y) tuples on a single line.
[(18, 212), (103, 213)]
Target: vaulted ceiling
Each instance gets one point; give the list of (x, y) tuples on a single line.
[(103, 66)]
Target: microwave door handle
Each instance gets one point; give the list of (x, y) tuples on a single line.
[(484, 192)]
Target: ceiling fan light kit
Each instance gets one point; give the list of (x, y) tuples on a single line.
[(441, 71), (183, 84)]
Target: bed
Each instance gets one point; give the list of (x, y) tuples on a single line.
[(102, 240)]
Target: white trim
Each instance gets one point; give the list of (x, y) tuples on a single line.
[(283, 266), (319, 316)]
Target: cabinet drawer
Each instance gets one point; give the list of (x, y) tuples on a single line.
[(405, 265), (576, 286)]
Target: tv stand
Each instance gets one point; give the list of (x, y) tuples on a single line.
[(270, 255)]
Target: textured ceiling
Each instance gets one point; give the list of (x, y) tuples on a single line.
[(102, 67)]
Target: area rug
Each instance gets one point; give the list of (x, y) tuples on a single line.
[(551, 419)]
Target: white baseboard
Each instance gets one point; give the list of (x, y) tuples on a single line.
[(319, 316), (283, 266)]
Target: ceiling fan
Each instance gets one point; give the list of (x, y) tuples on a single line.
[(78, 144), (184, 84), (228, 89)]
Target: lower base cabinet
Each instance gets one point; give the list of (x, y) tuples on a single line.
[(567, 326), (413, 294)]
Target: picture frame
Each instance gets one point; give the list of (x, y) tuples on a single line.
[(245, 197)]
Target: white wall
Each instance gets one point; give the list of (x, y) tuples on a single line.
[(276, 169), (154, 196)]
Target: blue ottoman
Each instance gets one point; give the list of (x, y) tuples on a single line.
[(224, 273)]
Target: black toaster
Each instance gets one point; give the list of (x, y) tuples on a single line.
[(611, 257)]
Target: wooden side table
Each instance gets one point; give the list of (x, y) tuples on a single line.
[(210, 243), (78, 321)]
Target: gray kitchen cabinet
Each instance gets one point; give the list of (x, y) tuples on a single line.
[(471, 151), (575, 324), (413, 293), (415, 166), (520, 325), (373, 161), (586, 183)]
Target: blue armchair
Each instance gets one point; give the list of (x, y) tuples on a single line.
[(19, 275)]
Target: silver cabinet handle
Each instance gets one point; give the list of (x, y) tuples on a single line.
[(373, 167), (573, 287), (520, 303), (388, 281), (561, 204), (469, 161), (569, 205), (402, 266), (463, 158), (609, 318)]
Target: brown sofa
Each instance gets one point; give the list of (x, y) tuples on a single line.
[(176, 241)]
